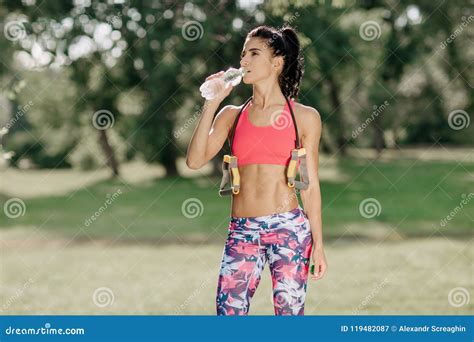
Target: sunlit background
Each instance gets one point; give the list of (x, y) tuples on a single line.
[(99, 100)]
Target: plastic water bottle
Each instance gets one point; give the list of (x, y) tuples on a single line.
[(211, 88)]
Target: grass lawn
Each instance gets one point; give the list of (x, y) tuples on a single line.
[(55, 276), (151, 259), (414, 197)]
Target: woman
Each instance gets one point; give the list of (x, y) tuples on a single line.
[(267, 222)]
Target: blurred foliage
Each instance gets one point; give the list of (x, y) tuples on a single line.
[(87, 155), (144, 60)]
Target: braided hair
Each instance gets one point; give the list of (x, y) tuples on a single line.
[(284, 42)]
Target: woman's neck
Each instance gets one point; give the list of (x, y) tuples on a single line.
[(267, 95)]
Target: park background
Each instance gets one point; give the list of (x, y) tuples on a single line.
[(99, 100)]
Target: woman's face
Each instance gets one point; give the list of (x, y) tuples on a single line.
[(258, 60)]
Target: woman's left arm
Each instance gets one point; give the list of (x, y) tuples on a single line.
[(311, 197)]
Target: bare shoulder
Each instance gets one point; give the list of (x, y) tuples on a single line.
[(229, 111), (227, 114), (306, 114), (225, 118), (307, 117)]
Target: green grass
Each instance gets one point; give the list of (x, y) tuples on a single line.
[(394, 276), (414, 197), (407, 277)]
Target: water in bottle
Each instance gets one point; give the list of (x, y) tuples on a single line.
[(213, 87)]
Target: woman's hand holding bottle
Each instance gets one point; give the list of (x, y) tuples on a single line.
[(219, 85)]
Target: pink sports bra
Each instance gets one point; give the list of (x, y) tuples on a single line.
[(271, 144)]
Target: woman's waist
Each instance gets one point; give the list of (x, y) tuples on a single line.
[(281, 219), (262, 205), (261, 202), (269, 177)]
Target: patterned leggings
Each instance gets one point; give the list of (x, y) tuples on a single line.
[(285, 241)]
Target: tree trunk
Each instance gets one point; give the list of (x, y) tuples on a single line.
[(168, 160), (171, 170), (108, 152), (336, 103), (379, 143)]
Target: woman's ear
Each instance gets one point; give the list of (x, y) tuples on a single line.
[(278, 63)]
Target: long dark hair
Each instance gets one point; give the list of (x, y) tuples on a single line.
[(284, 42)]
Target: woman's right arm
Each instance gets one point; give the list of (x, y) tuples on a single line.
[(209, 136)]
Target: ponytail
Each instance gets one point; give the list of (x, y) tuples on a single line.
[(293, 69), (284, 42)]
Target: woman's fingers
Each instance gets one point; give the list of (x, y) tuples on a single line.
[(228, 88), (315, 276), (225, 91), (319, 270)]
